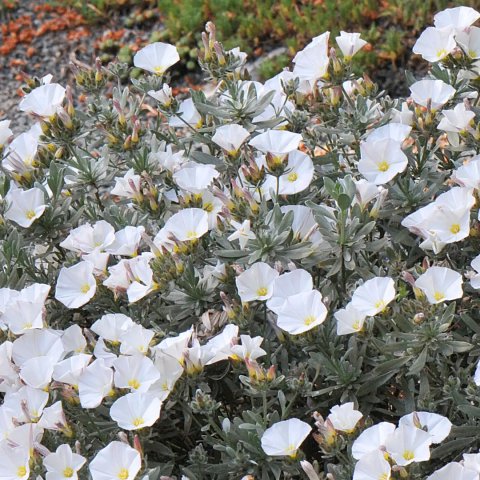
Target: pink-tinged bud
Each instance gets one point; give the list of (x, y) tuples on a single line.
[(137, 445), (271, 373), (409, 278)]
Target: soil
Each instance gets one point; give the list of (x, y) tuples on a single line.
[(38, 38)]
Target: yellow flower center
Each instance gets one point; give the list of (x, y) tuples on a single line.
[(21, 471), (292, 451), (30, 214), (472, 53), (208, 207), (262, 291), (383, 476), (380, 305), (134, 383), (191, 234), (292, 177), (408, 455), (85, 288), (438, 296), (356, 325), (442, 53), (455, 228), (138, 421), (383, 166), (68, 472), (159, 70), (165, 386), (123, 474), (309, 320), (27, 325)]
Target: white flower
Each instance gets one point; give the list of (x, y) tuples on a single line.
[(20, 155), (344, 418), (349, 320), (242, 233), (284, 438), (230, 137), (126, 241), (248, 349), (117, 461), (436, 92), (73, 339), (468, 174), (156, 57), (372, 439), (374, 295), (350, 44), (76, 285), (437, 426), (53, 418), (163, 96), (135, 410), (26, 404), (288, 284), (5, 132), (475, 279), (311, 63), (403, 116), (471, 461), (256, 283), (299, 174), (70, 370), (195, 177), (136, 340), (43, 101), (95, 384), (174, 346), (381, 160), (434, 44), (63, 464), (365, 192), (188, 114), (470, 42), (128, 186), (25, 206), (135, 372), (112, 326), (276, 142), (476, 376), (26, 310), (458, 18), (37, 343), (88, 238), (440, 284), (302, 312), (397, 131), (188, 224), (14, 462), (372, 466), (457, 120), (170, 371), (408, 444), (453, 470), (140, 275)]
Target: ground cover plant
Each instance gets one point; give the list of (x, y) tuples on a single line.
[(274, 280)]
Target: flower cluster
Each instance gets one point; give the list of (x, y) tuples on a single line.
[(190, 284)]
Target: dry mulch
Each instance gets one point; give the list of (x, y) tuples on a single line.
[(38, 38)]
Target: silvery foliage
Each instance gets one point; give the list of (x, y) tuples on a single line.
[(412, 356)]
